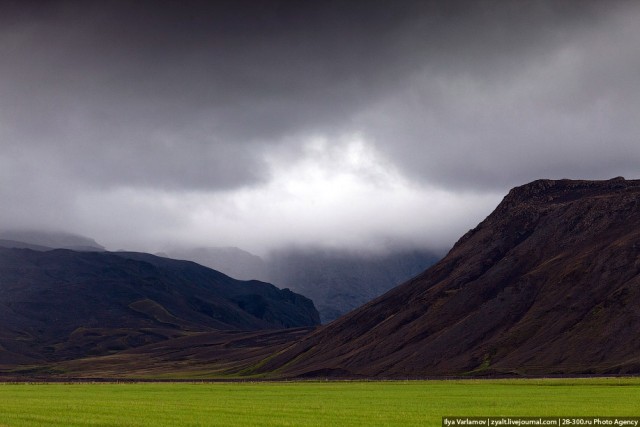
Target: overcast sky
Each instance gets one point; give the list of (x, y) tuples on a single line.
[(259, 124)]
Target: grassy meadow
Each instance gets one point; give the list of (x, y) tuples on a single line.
[(310, 403)]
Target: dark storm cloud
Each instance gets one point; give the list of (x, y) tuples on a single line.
[(191, 93), (131, 105), (185, 93), (536, 92)]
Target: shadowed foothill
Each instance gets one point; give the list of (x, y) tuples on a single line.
[(61, 305)]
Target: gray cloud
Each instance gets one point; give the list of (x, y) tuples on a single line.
[(139, 114), (132, 90), (561, 107)]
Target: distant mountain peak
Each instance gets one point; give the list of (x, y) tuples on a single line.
[(52, 239)]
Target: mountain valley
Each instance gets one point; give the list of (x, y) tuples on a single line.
[(547, 284)]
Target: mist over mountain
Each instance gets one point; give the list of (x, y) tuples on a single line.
[(232, 261), (41, 239), (549, 283), (337, 280)]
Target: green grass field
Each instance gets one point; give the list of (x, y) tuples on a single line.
[(310, 403)]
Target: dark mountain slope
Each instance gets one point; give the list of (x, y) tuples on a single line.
[(64, 304), (548, 283)]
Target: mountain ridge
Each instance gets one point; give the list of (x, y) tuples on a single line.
[(64, 304)]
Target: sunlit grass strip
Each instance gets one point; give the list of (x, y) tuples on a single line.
[(310, 403)]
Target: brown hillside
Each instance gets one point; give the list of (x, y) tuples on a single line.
[(548, 283)]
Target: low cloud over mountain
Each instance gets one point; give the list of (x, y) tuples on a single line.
[(343, 124)]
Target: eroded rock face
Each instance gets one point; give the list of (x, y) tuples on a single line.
[(548, 283)]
